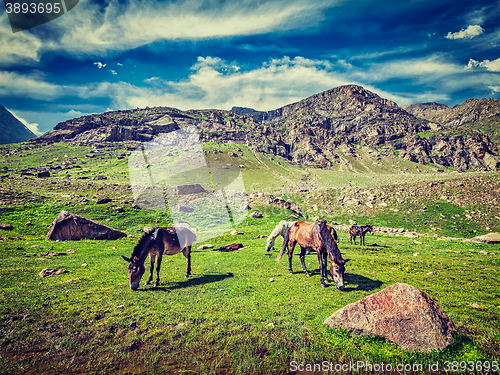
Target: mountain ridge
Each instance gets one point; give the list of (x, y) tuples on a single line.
[(317, 131), (11, 129)]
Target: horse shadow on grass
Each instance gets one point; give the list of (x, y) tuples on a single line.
[(192, 281), (363, 283)]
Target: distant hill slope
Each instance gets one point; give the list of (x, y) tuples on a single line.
[(11, 129), (319, 131)]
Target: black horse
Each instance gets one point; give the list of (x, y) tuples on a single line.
[(157, 242), (360, 231)]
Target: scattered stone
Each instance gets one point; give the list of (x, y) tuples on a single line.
[(46, 272), (29, 224), (84, 265), (410, 235), (261, 236), (43, 174), (190, 189), (120, 209), (490, 238), (71, 227), (483, 252), (271, 280), (133, 325), (206, 246), (72, 280), (352, 222), (6, 227), (431, 273), (399, 313), (52, 254), (70, 251), (184, 208), (234, 232), (256, 214), (476, 306), (103, 201)]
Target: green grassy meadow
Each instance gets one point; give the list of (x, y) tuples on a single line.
[(229, 317)]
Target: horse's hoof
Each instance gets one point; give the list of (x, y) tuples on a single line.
[(308, 275)]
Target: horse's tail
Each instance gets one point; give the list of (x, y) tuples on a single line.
[(334, 233), (283, 247)]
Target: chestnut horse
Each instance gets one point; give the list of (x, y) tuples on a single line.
[(159, 241), (317, 237)]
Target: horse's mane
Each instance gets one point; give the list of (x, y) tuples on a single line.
[(326, 236), (146, 237)]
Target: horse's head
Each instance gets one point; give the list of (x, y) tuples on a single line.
[(337, 269), (135, 271), (370, 229)]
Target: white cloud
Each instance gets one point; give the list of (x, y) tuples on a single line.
[(492, 66), (470, 32), (122, 26), (18, 48), (99, 64), (31, 126), (113, 72), (495, 88)]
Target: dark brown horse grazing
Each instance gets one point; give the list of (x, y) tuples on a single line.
[(360, 231), (157, 242), (317, 237)]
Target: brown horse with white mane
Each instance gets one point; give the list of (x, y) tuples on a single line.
[(156, 243), (317, 237)]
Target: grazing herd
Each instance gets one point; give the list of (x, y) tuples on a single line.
[(313, 237)]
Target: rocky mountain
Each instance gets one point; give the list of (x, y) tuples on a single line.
[(318, 131), (11, 129)]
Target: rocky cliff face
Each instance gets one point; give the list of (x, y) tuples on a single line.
[(317, 131)]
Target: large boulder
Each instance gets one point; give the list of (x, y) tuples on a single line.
[(71, 227), (399, 313)]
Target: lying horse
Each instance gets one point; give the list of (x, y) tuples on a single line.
[(157, 242), (317, 237), (282, 228), (360, 231)]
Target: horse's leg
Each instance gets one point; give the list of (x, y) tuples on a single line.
[(325, 267), (321, 268), (187, 254), (158, 266), (291, 246), (362, 238), (303, 261), (151, 268)]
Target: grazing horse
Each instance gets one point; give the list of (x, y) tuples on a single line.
[(282, 228), (315, 236), (360, 231), (159, 241)]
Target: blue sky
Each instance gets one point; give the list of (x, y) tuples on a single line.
[(196, 54)]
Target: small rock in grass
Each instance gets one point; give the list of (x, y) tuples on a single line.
[(430, 273), (483, 252), (271, 325), (206, 246), (84, 265), (271, 279), (476, 306), (51, 272)]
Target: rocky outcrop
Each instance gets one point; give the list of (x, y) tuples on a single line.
[(72, 227), (399, 313), (318, 131)]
